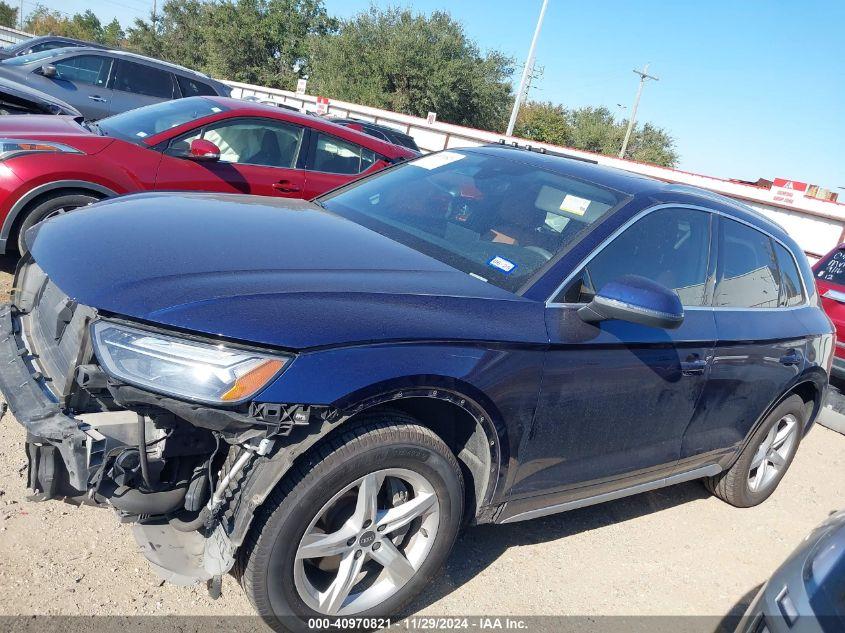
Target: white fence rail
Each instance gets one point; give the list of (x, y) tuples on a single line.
[(9, 35), (816, 225)]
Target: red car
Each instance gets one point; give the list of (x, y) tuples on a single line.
[(51, 164), (830, 279)]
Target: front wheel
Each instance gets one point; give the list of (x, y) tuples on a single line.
[(358, 529), (49, 208)]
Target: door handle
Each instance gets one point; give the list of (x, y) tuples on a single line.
[(96, 98), (694, 365), (286, 186), (793, 357)]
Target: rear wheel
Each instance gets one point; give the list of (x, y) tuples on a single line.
[(766, 458), (49, 208), (358, 529)]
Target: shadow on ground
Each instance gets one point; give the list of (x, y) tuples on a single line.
[(478, 547)]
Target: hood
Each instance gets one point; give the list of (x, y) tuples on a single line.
[(273, 272), (19, 96)]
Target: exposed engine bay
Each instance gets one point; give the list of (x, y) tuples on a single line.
[(174, 469)]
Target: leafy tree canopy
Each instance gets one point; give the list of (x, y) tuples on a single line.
[(413, 63), (254, 41), (83, 26), (8, 15), (594, 130)]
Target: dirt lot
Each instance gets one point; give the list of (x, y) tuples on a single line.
[(672, 552)]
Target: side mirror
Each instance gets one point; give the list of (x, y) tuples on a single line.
[(199, 149), (48, 70), (637, 300)]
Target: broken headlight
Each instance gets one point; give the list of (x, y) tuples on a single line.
[(182, 367)]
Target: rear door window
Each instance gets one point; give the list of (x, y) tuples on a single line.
[(748, 275), (85, 69), (143, 80), (670, 246), (335, 156)]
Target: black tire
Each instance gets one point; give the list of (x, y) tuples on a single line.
[(49, 206), (394, 440), (732, 485)]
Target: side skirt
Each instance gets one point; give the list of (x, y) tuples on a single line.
[(662, 482)]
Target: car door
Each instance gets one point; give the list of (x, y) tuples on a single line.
[(257, 156), (761, 340), (82, 81), (616, 397), (333, 162), (135, 85)]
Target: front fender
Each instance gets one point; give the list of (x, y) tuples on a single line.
[(496, 385)]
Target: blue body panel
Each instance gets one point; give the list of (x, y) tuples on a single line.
[(575, 406)]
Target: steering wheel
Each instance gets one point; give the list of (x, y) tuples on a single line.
[(542, 252)]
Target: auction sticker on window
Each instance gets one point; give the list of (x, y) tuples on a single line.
[(506, 266), (433, 161), (574, 204)]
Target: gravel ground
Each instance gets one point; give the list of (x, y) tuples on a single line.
[(676, 551)]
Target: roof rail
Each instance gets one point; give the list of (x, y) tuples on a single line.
[(542, 150)]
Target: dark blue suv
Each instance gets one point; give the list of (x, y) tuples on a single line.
[(316, 395)]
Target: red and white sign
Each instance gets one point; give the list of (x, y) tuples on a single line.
[(431, 118), (301, 85), (788, 191), (322, 105)]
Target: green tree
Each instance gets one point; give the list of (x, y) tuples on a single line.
[(83, 26), (254, 41), (594, 130), (8, 15), (413, 63)]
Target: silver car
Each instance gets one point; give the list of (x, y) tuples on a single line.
[(100, 83)]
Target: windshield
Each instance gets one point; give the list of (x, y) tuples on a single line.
[(34, 57), (495, 218), (136, 125)]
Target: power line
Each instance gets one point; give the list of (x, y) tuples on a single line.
[(643, 77)]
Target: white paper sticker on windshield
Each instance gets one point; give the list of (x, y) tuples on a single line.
[(215, 109), (433, 161), (141, 134), (574, 204)]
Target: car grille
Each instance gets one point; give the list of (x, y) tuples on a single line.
[(54, 328)]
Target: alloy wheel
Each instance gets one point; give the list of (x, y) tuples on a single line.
[(367, 542), (773, 453)]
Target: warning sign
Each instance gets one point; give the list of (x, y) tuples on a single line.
[(788, 191)]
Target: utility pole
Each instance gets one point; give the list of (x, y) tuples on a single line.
[(20, 17), (154, 16), (643, 76), (527, 71)]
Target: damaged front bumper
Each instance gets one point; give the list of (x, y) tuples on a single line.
[(56, 445), (65, 454)]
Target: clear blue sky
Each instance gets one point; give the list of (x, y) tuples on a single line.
[(748, 89)]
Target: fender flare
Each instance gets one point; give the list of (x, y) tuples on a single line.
[(814, 376), (266, 473), (33, 193)]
